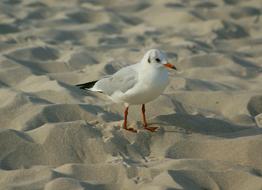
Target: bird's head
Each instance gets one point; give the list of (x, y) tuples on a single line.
[(157, 58)]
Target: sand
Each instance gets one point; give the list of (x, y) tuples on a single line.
[(53, 136)]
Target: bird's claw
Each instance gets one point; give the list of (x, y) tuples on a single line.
[(131, 129), (152, 129)]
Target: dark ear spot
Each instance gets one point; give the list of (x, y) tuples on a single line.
[(149, 61)]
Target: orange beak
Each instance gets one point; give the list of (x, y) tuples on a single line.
[(169, 65)]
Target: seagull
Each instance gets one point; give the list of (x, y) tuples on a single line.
[(135, 84)]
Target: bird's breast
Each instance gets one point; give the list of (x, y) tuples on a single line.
[(155, 79), (151, 85)]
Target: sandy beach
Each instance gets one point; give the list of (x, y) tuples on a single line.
[(53, 136)]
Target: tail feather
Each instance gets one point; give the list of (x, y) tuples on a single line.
[(87, 85)]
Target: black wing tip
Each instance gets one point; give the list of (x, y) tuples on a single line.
[(87, 85)]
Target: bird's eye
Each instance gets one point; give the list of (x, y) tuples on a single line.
[(157, 60)]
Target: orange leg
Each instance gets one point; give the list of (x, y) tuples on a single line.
[(152, 129), (125, 122)]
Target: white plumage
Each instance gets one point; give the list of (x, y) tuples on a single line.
[(136, 84)]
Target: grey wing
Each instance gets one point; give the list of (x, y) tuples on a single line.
[(123, 80)]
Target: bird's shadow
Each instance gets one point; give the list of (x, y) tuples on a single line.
[(182, 122)]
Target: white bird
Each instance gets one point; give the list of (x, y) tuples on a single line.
[(135, 84)]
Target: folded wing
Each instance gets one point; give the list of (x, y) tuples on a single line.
[(123, 80)]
